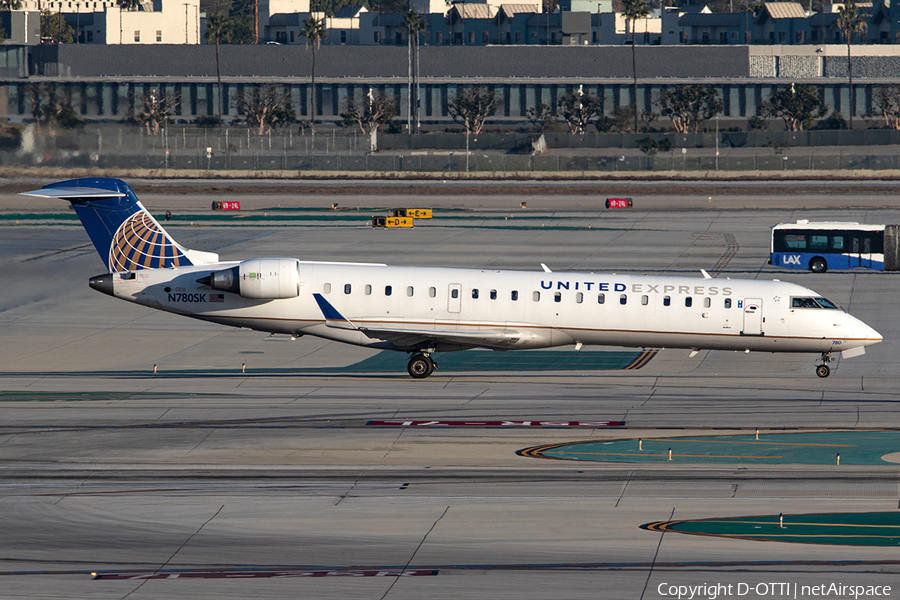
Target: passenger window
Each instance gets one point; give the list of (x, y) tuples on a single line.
[(326, 288), (493, 294), (536, 296), (707, 302), (727, 302), (387, 290), (557, 297), (688, 301), (579, 297), (368, 290), (410, 291), (454, 293), (623, 299), (514, 295), (475, 294), (667, 300), (346, 288), (601, 298), (645, 300), (432, 292)]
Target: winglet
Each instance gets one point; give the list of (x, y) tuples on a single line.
[(332, 317)]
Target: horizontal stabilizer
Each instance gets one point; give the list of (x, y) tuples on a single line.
[(74, 193)]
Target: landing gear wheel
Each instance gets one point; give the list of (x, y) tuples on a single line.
[(420, 366), (823, 371), (818, 265)]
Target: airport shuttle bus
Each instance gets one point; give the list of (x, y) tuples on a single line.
[(422, 311), (822, 246)]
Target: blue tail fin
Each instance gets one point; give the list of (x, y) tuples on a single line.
[(127, 237)]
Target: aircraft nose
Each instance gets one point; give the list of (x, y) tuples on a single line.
[(867, 334), (102, 283)]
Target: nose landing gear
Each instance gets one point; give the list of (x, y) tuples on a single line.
[(421, 366), (823, 370)]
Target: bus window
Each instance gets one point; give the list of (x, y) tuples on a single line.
[(818, 242), (838, 243), (794, 241)]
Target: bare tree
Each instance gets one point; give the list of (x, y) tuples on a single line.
[(541, 115), (157, 106), (472, 107), (51, 107), (689, 105), (578, 109), (887, 100), (369, 111), (263, 107)]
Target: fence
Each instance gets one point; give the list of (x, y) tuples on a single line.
[(221, 150)]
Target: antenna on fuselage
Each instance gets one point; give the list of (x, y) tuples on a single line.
[(546, 268), (705, 274)]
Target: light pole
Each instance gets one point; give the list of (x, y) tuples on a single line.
[(717, 142)]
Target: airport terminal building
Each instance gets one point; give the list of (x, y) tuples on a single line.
[(102, 82)]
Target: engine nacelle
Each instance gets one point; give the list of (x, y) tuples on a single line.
[(259, 278)]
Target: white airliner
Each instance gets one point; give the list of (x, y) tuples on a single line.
[(426, 310)]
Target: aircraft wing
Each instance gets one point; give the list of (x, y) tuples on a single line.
[(406, 336)]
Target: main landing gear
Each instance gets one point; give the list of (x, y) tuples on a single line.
[(823, 370), (421, 366)]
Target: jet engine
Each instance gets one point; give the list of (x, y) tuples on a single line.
[(260, 279)]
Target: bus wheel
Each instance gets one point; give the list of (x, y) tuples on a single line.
[(818, 265), (823, 371)]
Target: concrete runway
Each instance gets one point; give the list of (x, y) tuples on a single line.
[(168, 484)]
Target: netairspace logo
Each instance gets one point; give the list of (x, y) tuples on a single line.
[(711, 591)]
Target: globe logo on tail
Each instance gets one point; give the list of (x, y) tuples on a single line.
[(141, 243)]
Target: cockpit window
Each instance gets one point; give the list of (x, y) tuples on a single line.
[(812, 303), (803, 303), (826, 303)]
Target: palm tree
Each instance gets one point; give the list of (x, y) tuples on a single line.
[(126, 5), (634, 10), (313, 30), (10, 4), (218, 29), (413, 23), (851, 22)]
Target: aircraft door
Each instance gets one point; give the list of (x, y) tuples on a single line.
[(753, 318), (454, 298)]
